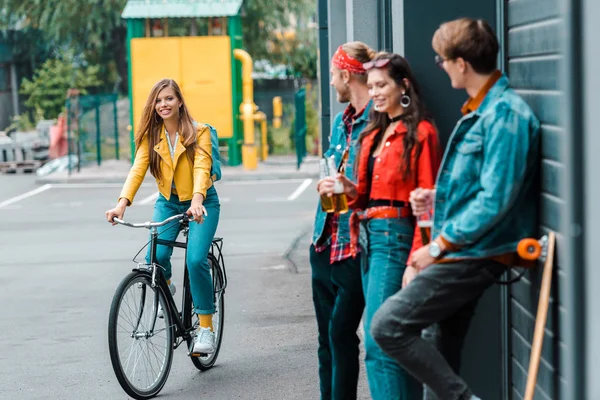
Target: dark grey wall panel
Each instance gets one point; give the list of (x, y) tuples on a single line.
[(534, 50), (519, 376), (421, 20), (552, 173), (482, 363), (522, 12), (535, 73), (530, 40), (552, 142), (550, 209), (546, 105)]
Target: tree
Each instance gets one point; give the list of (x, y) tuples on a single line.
[(280, 33), (93, 28), (47, 90)]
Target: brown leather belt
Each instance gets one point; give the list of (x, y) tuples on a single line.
[(382, 212)]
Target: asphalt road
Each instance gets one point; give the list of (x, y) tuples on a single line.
[(61, 263)]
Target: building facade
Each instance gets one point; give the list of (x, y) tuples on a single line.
[(549, 50)]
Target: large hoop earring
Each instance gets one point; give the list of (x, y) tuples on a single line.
[(405, 101)]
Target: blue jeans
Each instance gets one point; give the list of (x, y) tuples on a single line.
[(388, 242), (339, 304), (444, 294), (200, 237)]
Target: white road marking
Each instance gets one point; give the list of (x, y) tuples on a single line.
[(258, 182), (275, 267), (25, 195), (300, 190), (87, 185), (147, 200)]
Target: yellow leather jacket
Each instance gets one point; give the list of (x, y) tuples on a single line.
[(189, 179)]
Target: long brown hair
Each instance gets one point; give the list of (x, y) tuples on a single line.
[(398, 69), (152, 123)]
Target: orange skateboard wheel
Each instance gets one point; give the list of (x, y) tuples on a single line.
[(529, 249)]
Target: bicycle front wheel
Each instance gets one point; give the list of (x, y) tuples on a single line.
[(140, 344)]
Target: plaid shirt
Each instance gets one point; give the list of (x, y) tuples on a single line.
[(339, 251)]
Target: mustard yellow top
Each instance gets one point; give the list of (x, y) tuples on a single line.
[(189, 179)]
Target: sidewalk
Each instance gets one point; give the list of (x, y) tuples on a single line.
[(114, 171)]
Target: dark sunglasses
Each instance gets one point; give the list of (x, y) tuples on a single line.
[(382, 62)]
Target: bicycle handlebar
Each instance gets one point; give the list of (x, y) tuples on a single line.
[(150, 224)]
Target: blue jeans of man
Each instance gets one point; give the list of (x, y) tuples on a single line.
[(444, 294), (388, 242), (339, 304), (200, 237)]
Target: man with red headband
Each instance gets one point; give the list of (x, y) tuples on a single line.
[(336, 276)]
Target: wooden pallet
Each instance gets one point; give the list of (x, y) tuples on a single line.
[(16, 167)]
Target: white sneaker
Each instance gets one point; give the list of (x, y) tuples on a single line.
[(205, 341), (172, 289)]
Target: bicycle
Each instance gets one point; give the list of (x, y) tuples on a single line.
[(134, 325)]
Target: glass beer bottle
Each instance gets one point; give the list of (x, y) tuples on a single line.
[(327, 204), (339, 197), (425, 222)]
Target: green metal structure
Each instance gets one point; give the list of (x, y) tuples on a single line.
[(92, 128), (138, 12), (300, 127)]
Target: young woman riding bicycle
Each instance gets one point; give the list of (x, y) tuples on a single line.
[(179, 154)]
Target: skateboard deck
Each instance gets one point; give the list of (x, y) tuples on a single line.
[(542, 250)]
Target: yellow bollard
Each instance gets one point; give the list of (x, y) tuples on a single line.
[(262, 118), (277, 111)]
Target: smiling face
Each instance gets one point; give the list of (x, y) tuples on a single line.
[(167, 104), (384, 91)]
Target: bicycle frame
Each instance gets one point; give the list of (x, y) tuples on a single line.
[(156, 271)]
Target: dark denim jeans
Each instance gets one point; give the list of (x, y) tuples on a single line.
[(445, 294), (339, 305), (388, 242)]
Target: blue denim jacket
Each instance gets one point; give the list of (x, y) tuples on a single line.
[(337, 145), (486, 197)]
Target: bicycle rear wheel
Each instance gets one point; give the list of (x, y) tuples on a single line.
[(140, 344), (205, 362)]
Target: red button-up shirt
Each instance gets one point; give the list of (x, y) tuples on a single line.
[(387, 181)]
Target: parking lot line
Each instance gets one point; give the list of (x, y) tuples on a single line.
[(300, 190), (148, 200), (25, 195)]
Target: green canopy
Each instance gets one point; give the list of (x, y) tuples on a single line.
[(181, 8)]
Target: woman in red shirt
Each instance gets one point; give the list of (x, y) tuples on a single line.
[(398, 152)]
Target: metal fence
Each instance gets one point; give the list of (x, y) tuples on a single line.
[(300, 127), (92, 126)]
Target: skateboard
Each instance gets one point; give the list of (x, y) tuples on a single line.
[(543, 250)]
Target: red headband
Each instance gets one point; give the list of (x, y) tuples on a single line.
[(342, 60)]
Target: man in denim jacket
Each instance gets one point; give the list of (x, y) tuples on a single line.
[(336, 276), (485, 202)]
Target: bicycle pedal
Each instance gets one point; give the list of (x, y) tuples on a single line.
[(198, 354)]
